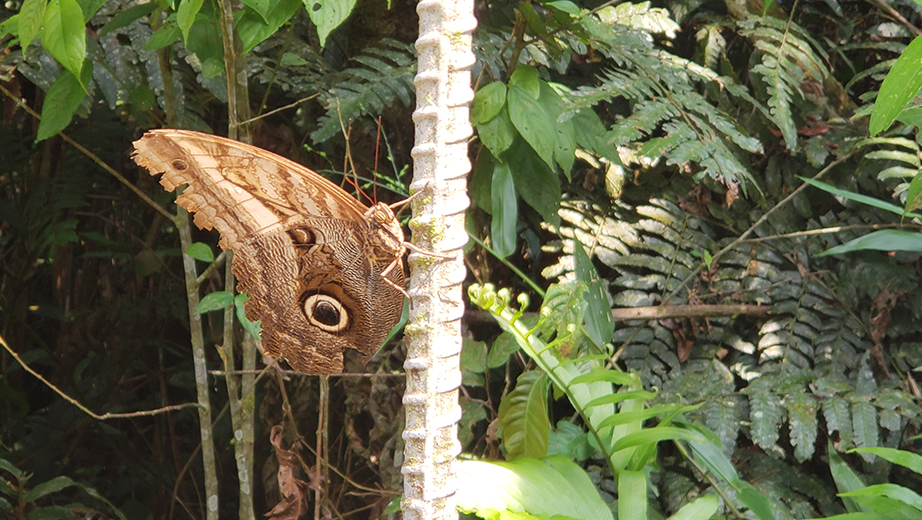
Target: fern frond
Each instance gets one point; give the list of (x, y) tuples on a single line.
[(386, 76)]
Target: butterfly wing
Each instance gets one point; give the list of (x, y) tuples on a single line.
[(301, 243)]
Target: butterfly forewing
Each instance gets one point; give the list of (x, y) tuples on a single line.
[(307, 252)]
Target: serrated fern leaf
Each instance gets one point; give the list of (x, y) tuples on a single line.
[(386, 75)]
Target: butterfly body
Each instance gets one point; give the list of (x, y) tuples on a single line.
[(321, 269)]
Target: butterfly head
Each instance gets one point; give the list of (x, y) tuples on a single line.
[(387, 233)]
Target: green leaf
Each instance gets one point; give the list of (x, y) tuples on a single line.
[(755, 501), (565, 6), (89, 8), (254, 27), (63, 99), (505, 211), (906, 459), (899, 87), (914, 194), (538, 185), (565, 142), (488, 101), (702, 508), (185, 16), (894, 491), (328, 15), (555, 486), (599, 322), (711, 456), (165, 35), (526, 78), (523, 417), (632, 495), (857, 197), (765, 417), (864, 422), (64, 36), (253, 328), (200, 251), (48, 487), (659, 434), (883, 240), (473, 362), (127, 17), (534, 122), (214, 302), (503, 346), (845, 478), (498, 133), (570, 441), (31, 15)]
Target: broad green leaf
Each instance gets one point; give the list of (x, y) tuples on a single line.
[(200, 251), (473, 362), (755, 501), (498, 133), (48, 487), (89, 8), (632, 495), (845, 478), (215, 301), (555, 486), (31, 15), (10, 26), (523, 417), (526, 78), (906, 459), (534, 122), (538, 185), (505, 211), (883, 240), (570, 441), (701, 509), (803, 423), (565, 6), (63, 99), (64, 36), (503, 346), (261, 7), (165, 35), (185, 16), (565, 143), (899, 87), (328, 15), (127, 17), (488, 101), (204, 39), (253, 328), (254, 27), (481, 182)]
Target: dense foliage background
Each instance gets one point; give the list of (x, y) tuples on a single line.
[(668, 141)]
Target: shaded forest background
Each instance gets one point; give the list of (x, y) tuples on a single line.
[(671, 140)]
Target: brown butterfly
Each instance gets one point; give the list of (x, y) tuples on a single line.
[(323, 272)]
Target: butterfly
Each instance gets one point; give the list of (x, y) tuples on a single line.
[(323, 272)]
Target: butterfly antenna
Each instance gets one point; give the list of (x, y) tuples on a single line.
[(374, 182)]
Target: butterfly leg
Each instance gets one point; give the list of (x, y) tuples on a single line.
[(387, 270), (427, 253)]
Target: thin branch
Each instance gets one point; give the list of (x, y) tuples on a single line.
[(84, 409)]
